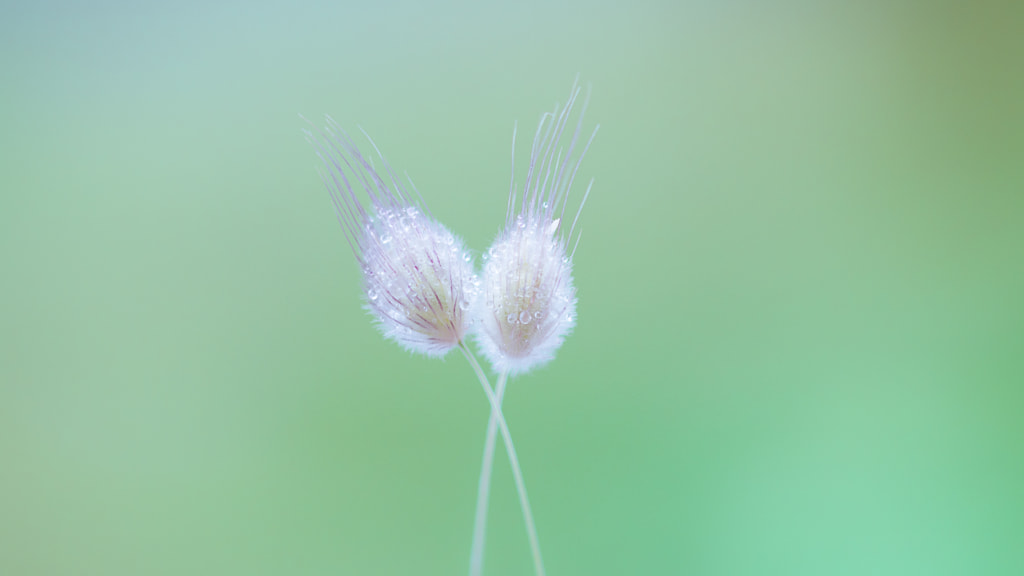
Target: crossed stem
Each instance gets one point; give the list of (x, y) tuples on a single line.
[(495, 423)]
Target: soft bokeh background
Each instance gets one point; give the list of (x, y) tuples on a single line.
[(801, 338)]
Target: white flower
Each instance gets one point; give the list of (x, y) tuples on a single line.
[(418, 277), (528, 302)]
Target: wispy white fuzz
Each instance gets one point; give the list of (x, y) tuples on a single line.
[(418, 277), (528, 301)]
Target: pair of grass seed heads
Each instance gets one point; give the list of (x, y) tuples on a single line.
[(421, 286)]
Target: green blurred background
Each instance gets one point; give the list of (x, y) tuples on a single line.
[(800, 347)]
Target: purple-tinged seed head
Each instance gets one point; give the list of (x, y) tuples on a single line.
[(418, 277), (528, 302)]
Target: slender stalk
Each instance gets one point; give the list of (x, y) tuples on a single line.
[(483, 494), (513, 459)]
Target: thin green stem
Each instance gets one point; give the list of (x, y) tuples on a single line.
[(483, 494), (513, 459)]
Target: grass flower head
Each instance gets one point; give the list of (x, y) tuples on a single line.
[(418, 277), (528, 301)]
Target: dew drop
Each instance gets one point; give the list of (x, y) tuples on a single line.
[(385, 238), (511, 318), (466, 257), (371, 294), (538, 314), (524, 317)]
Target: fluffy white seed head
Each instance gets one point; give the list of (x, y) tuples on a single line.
[(528, 303), (418, 277)]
